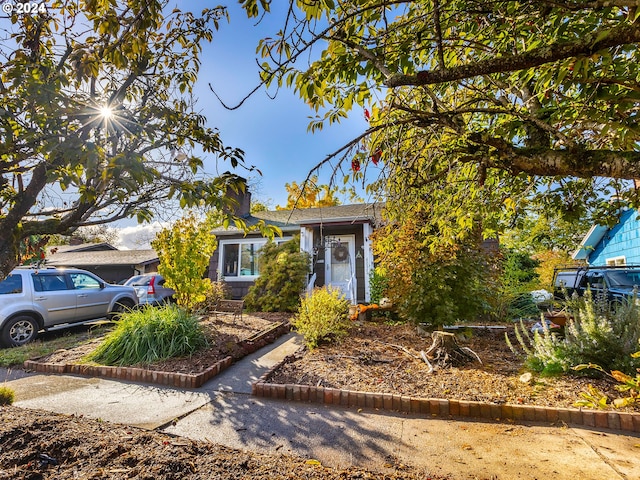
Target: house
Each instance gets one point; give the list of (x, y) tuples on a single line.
[(619, 245), (103, 259), (336, 238)]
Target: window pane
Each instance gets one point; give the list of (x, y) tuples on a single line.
[(250, 259), (11, 284), (230, 260), (49, 283), (80, 280)]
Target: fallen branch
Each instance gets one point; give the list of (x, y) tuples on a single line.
[(399, 347), (361, 358)]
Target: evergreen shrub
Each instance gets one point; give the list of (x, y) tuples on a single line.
[(378, 284), (446, 290), (283, 277)]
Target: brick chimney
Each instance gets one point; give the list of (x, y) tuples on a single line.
[(242, 200)]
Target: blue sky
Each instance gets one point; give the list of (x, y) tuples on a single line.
[(273, 133)]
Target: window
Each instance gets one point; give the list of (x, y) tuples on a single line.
[(84, 281), (49, 282), (240, 259), (249, 259), (11, 284), (616, 261), (595, 281)]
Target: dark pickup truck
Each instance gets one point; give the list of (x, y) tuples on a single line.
[(618, 281)]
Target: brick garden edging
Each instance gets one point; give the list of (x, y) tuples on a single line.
[(625, 421), (181, 380)]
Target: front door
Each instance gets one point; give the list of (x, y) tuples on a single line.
[(340, 265)]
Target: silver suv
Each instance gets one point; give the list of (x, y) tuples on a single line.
[(32, 300)]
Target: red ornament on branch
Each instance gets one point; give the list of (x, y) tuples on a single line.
[(375, 158)]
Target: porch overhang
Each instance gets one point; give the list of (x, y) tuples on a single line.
[(595, 234), (334, 222)]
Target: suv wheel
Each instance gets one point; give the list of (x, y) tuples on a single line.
[(19, 330), (121, 307)]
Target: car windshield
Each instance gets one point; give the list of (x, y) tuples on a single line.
[(624, 278)]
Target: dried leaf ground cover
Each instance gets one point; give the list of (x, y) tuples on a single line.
[(377, 357), (223, 333), (42, 445)]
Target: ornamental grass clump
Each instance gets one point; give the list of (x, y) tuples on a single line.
[(322, 316), (150, 335)]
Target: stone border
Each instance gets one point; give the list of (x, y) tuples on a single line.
[(181, 380), (613, 420)]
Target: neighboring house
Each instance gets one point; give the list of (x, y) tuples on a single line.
[(103, 259), (619, 245), (337, 239)]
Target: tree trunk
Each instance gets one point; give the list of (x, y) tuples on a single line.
[(8, 257), (445, 351)]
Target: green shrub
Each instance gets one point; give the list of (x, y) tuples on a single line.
[(445, 290), (378, 284), (597, 334), (511, 297), (150, 335), (7, 396), (283, 278), (216, 291), (545, 352), (436, 286), (323, 316)]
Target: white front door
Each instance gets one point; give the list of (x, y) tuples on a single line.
[(340, 265)]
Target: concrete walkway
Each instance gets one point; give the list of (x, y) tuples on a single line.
[(223, 411)]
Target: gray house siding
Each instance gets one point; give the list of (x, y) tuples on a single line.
[(315, 226)]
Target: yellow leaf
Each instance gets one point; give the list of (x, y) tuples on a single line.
[(313, 462), (619, 376)]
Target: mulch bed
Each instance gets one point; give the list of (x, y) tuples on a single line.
[(382, 358), (223, 332), (43, 445)]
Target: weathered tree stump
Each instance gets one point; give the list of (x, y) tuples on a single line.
[(445, 352)]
